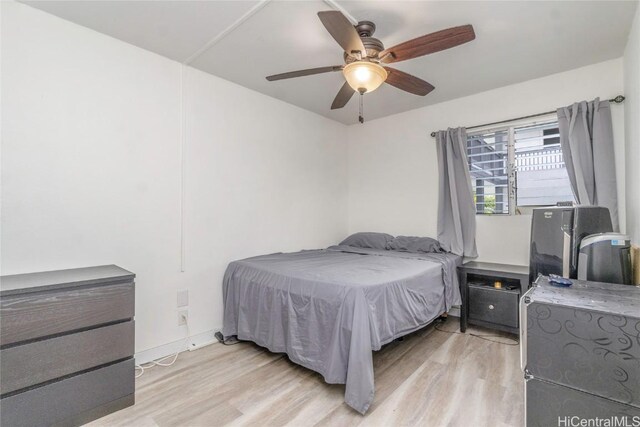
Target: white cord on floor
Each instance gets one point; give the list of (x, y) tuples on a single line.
[(159, 362)]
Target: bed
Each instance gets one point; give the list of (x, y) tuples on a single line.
[(329, 309)]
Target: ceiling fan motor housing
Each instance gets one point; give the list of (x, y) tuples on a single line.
[(365, 28), (373, 46)]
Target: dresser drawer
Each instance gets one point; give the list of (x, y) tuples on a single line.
[(36, 315), (493, 305), (37, 362), (74, 400)]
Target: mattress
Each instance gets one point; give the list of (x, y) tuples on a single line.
[(329, 309)]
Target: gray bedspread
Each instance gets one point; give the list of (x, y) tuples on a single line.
[(329, 309)]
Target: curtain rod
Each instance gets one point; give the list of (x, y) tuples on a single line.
[(618, 99)]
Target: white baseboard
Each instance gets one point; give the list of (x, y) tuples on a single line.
[(202, 340), (191, 343)]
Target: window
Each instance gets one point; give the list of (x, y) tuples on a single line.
[(541, 175), (517, 166), (489, 168)]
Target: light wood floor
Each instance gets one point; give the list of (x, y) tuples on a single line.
[(431, 378)]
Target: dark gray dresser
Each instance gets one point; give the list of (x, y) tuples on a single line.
[(66, 345)]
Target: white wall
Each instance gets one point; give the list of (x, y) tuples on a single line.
[(91, 169), (632, 128), (393, 172), (91, 166), (262, 177)]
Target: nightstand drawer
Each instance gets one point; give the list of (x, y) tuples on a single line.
[(493, 305)]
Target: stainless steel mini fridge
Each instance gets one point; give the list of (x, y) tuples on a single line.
[(580, 353)]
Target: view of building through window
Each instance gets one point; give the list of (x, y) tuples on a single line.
[(541, 175), (488, 165), (517, 166)]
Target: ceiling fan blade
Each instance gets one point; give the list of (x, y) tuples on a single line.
[(343, 96), (430, 43), (342, 31), (407, 82), (307, 72)]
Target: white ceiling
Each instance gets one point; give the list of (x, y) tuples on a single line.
[(244, 41)]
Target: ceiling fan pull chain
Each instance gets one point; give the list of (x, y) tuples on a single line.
[(361, 115)]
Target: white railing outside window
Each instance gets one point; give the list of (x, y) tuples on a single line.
[(517, 166), (549, 157)]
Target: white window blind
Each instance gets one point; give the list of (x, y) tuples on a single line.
[(517, 166)]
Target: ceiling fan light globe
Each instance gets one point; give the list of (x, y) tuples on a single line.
[(363, 75)]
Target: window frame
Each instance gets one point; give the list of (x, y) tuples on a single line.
[(512, 185)]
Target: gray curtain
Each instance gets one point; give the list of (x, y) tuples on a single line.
[(456, 209), (586, 138)]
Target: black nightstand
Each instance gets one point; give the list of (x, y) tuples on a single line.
[(488, 306)]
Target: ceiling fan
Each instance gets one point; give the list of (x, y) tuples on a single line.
[(364, 54)]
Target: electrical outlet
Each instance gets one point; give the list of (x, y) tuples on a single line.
[(182, 298), (183, 317)]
